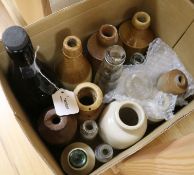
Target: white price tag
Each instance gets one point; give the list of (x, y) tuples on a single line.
[(65, 102)]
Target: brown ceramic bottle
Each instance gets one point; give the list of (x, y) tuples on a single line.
[(57, 130), (136, 34), (74, 67), (174, 82), (98, 43), (89, 99)]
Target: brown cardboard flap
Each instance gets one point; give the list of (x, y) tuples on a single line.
[(170, 18), (185, 49)]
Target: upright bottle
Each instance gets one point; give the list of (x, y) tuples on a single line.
[(98, 43), (136, 34), (111, 68), (32, 82), (74, 68)]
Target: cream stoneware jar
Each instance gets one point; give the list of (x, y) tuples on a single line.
[(122, 124)]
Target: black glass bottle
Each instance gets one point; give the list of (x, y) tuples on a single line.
[(30, 87)]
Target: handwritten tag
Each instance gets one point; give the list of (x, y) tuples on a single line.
[(65, 102)]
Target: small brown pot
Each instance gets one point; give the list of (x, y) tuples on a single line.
[(57, 130), (89, 98), (78, 159), (98, 43), (74, 68), (135, 34), (174, 82)]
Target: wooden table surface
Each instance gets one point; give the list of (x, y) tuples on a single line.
[(19, 157)]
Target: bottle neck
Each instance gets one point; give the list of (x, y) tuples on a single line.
[(23, 57)]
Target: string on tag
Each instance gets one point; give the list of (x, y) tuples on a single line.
[(37, 69)]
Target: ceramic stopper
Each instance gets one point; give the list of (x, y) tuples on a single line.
[(174, 82)]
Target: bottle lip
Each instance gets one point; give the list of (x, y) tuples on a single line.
[(97, 94), (53, 121), (15, 38), (137, 108), (107, 35), (72, 47), (141, 20), (115, 55), (85, 164)]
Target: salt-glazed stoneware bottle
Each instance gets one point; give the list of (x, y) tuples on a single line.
[(174, 82), (97, 44), (57, 130), (78, 159), (136, 34), (74, 68), (89, 99), (122, 124)]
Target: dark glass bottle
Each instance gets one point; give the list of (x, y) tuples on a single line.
[(30, 87)]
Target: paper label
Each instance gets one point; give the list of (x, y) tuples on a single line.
[(65, 102)]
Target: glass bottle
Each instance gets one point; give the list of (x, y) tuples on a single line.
[(31, 81), (89, 129), (111, 68), (104, 153)]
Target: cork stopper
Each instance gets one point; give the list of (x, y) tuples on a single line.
[(141, 20), (107, 35), (72, 46)]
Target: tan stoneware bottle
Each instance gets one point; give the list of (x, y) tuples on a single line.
[(78, 159), (89, 99), (136, 34), (57, 130), (106, 36), (74, 68), (174, 82)]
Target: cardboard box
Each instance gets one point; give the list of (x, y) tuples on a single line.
[(171, 20)]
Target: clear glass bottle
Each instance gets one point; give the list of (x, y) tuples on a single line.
[(110, 69), (89, 129), (26, 74), (104, 153)]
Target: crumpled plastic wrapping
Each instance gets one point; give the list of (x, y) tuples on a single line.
[(138, 83)]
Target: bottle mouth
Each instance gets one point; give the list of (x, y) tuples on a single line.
[(53, 121), (181, 80), (115, 55), (72, 46), (90, 126), (89, 96), (77, 158), (141, 20), (106, 151), (108, 35), (130, 115)]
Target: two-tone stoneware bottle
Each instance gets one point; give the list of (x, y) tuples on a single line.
[(74, 68), (136, 33), (97, 44)]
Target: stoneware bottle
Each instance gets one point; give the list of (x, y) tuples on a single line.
[(174, 82), (89, 98), (74, 68), (89, 129), (122, 124), (104, 153), (99, 42), (78, 159), (136, 34), (57, 130)]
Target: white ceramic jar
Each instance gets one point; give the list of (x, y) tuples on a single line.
[(122, 124)]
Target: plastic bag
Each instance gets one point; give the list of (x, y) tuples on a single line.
[(138, 82)]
